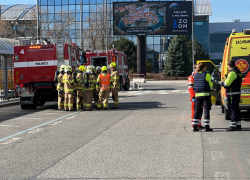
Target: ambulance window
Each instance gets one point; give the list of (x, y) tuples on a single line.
[(100, 61)]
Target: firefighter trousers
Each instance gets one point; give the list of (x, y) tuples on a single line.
[(61, 100), (103, 94), (88, 96), (69, 101), (192, 114), (234, 109), (80, 99), (199, 101), (115, 98)]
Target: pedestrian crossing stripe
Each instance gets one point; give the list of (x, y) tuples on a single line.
[(142, 92)]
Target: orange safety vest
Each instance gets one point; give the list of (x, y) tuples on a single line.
[(105, 82)]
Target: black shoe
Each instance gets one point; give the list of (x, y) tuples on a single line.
[(62, 109), (98, 108), (94, 107), (105, 108), (195, 128), (238, 127), (114, 108), (207, 128), (232, 129), (201, 127)]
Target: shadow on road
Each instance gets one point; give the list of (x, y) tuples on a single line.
[(141, 105)]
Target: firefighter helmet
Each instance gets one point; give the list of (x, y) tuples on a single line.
[(98, 68), (113, 64), (62, 67), (82, 68), (90, 69), (104, 68), (68, 68)]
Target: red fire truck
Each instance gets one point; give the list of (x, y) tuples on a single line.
[(35, 65), (102, 58)]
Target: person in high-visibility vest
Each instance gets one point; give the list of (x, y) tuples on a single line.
[(103, 86), (79, 87), (89, 87), (69, 87), (192, 97), (115, 85), (203, 86), (60, 89)]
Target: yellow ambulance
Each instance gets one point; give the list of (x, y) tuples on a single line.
[(237, 48)]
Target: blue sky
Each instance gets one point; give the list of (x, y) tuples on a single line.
[(222, 10)]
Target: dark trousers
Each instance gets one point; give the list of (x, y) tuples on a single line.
[(233, 107), (199, 101)]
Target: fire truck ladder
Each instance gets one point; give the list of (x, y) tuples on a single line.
[(60, 52)]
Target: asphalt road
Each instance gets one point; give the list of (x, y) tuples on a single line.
[(149, 137)]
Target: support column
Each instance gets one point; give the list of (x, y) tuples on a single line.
[(141, 52)]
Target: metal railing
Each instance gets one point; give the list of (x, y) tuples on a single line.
[(6, 77)]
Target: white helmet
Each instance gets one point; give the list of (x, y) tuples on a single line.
[(62, 67), (98, 68), (90, 69), (68, 68)]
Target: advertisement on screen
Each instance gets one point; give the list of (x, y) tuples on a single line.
[(152, 18)]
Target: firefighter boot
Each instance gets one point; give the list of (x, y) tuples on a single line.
[(232, 127), (207, 128), (239, 126)]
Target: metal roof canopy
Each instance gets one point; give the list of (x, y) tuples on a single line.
[(7, 45)]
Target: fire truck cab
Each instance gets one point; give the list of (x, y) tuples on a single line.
[(35, 65), (102, 58)]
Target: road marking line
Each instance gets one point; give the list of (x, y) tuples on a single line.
[(71, 117), (9, 126), (176, 90), (55, 123), (213, 140), (35, 130), (217, 155), (10, 140), (3, 139), (222, 175)]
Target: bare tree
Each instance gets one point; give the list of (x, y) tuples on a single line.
[(95, 36), (55, 25)]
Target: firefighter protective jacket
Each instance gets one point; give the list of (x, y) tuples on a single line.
[(115, 79), (60, 85), (92, 82), (104, 82), (79, 82), (69, 83)]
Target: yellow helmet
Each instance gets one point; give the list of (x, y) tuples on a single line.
[(104, 68), (68, 68), (113, 64), (62, 67), (90, 69), (82, 68)]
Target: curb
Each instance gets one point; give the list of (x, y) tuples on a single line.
[(9, 103)]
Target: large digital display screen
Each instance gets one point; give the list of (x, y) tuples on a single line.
[(150, 17)]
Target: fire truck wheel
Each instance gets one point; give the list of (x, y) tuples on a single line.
[(120, 84), (127, 85), (24, 106), (33, 106)]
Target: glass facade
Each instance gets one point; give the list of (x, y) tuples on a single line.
[(92, 9), (201, 33)]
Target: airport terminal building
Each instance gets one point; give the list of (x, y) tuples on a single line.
[(212, 36)]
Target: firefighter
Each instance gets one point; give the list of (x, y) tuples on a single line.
[(233, 85), (60, 88), (98, 70), (103, 86), (114, 85), (192, 97), (79, 87), (203, 86), (89, 87), (69, 87)]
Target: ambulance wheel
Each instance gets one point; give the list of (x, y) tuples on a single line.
[(227, 115), (24, 106), (127, 85)]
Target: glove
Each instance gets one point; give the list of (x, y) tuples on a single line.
[(193, 99)]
